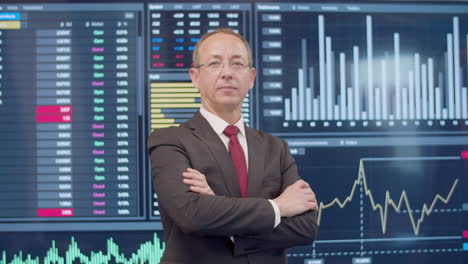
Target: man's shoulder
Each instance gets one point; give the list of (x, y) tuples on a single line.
[(170, 130), (168, 135)]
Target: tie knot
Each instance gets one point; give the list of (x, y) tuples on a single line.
[(231, 131)]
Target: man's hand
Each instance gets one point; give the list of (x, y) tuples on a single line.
[(296, 199), (197, 182)]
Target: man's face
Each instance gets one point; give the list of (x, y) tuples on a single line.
[(225, 78)]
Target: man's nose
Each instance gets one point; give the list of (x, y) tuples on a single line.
[(226, 71)]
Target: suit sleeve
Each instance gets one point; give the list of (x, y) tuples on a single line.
[(200, 214), (292, 231)]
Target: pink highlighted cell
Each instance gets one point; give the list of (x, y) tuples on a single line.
[(53, 118), (464, 154), (465, 233), (158, 64), (55, 212), (53, 109)]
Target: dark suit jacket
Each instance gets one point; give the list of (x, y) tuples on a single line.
[(197, 227)]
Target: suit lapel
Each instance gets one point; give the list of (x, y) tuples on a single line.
[(202, 130), (256, 162)]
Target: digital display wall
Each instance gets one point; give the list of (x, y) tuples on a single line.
[(372, 99)]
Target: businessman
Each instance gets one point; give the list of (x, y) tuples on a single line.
[(227, 193)]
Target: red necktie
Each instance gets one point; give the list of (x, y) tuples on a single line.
[(237, 157)]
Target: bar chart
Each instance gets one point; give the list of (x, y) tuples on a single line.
[(362, 69), (172, 103)]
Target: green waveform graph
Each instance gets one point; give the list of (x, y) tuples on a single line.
[(149, 252)]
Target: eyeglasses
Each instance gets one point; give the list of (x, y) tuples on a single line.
[(216, 66)]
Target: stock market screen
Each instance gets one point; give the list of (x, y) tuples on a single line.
[(372, 98)]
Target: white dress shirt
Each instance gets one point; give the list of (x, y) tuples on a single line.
[(218, 125)]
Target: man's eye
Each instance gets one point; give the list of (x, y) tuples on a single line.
[(214, 64), (238, 64)]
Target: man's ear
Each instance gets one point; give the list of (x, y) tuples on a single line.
[(194, 76), (253, 73)]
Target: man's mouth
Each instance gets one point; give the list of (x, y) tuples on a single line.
[(227, 87)]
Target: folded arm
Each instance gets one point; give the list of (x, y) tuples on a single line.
[(297, 204), (297, 227)]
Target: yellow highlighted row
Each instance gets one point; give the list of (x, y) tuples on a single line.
[(156, 126), (162, 121), (156, 105), (173, 100), (156, 115), (157, 111), (171, 85), (192, 95), (174, 90), (10, 24)]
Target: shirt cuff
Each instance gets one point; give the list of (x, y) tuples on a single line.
[(277, 213)]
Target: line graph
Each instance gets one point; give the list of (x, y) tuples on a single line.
[(383, 209), (403, 204)]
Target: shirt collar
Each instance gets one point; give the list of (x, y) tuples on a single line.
[(218, 124)]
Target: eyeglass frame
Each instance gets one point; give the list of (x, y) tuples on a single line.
[(243, 67)]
